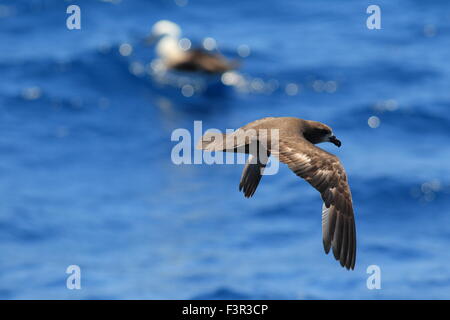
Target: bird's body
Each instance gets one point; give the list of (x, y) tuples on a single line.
[(292, 141), (174, 57), (198, 60)]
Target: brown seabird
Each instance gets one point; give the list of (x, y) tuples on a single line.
[(294, 144), (173, 56)]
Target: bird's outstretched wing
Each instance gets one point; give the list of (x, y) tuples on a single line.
[(326, 174), (238, 141)]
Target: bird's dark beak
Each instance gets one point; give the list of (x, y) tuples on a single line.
[(335, 141), (151, 39)]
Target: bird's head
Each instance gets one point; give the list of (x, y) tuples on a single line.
[(316, 132), (164, 28)]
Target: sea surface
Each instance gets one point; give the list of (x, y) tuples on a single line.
[(86, 176)]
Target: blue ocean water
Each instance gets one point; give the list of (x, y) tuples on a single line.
[(86, 176)]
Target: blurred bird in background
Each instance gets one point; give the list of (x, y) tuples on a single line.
[(174, 55)]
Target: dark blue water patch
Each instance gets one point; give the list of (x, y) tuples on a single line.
[(11, 233), (26, 227), (87, 73), (102, 296), (402, 197), (222, 294), (276, 238), (99, 66), (6, 294), (390, 72), (171, 101), (19, 107), (56, 282), (439, 282), (201, 277), (398, 253), (417, 120), (404, 119), (225, 293), (386, 188), (280, 211)]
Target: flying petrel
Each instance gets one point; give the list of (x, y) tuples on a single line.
[(294, 144), (168, 48)]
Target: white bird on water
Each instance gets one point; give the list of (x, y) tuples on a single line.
[(174, 56)]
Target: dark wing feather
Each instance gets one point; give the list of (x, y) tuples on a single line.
[(326, 174), (199, 60), (253, 171), (241, 141), (251, 176)]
